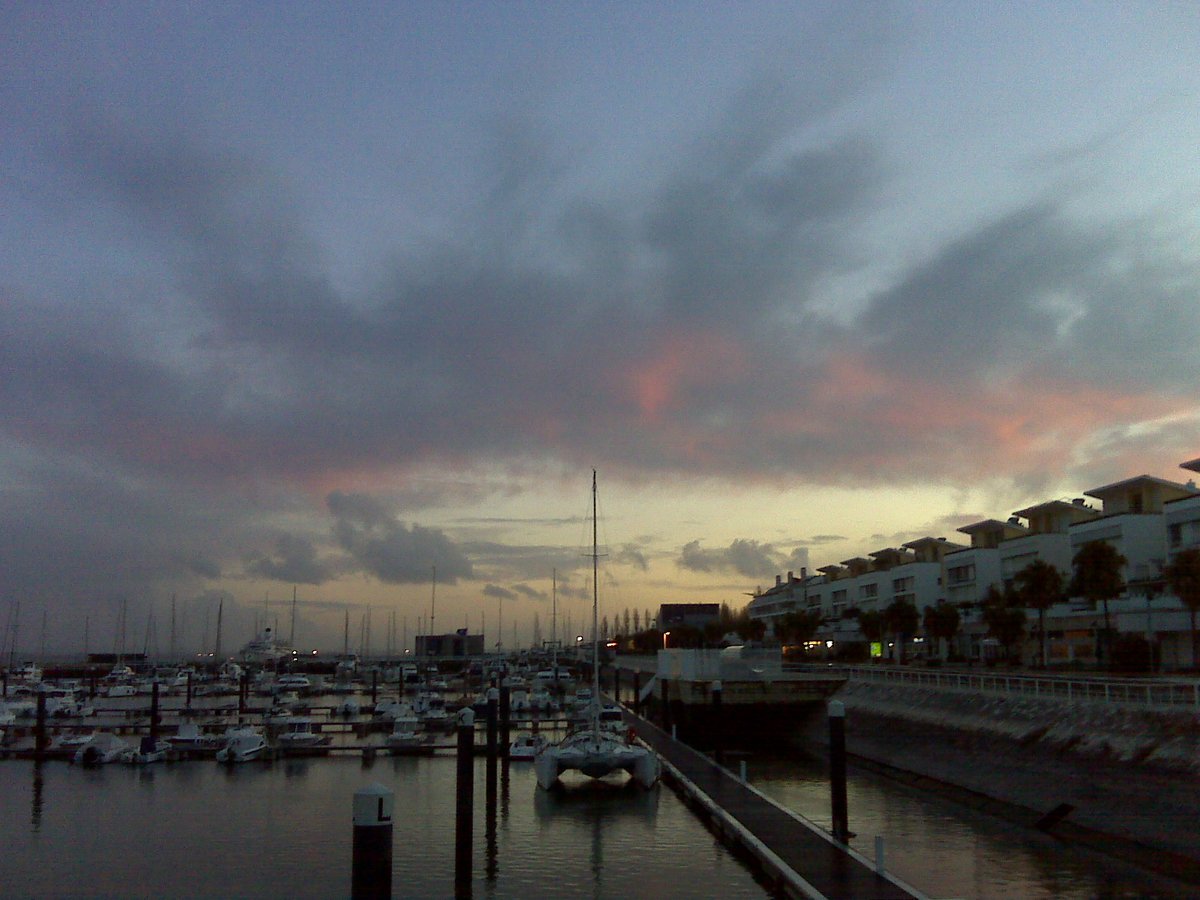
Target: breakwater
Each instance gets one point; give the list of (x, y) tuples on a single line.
[(1129, 776)]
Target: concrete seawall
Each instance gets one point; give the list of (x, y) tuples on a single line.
[(1132, 777)]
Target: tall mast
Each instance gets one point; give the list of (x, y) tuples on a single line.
[(595, 616), (554, 622), (432, 602), (217, 647), (346, 636), (174, 657), (292, 639)]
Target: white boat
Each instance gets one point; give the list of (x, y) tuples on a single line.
[(592, 749), (527, 747), (190, 737), (242, 745), (406, 734), (298, 683), (348, 708), (389, 708), (102, 747), (148, 751), (121, 690), (299, 734), (266, 649)]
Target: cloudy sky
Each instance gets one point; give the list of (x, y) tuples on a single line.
[(321, 297)]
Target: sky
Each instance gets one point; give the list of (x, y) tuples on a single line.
[(321, 299)]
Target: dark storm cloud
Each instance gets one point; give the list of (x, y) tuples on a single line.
[(745, 557), (500, 593), (390, 550), (294, 560)]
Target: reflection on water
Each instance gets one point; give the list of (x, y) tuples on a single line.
[(267, 830), (947, 850)]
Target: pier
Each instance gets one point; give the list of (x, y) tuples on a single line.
[(801, 859)]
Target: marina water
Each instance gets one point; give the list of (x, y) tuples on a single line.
[(198, 829)]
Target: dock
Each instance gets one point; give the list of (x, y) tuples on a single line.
[(802, 860)]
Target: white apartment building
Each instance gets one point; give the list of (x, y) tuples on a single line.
[(1147, 519)]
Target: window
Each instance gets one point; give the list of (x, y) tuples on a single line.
[(868, 591), (961, 574), (1175, 534)]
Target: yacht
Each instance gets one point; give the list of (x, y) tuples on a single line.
[(102, 747), (592, 749), (242, 745), (527, 747), (299, 734)]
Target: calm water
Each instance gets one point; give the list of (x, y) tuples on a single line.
[(201, 830), (946, 850)]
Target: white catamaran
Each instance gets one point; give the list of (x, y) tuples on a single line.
[(591, 749)]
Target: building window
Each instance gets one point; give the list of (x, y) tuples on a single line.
[(1175, 533), (868, 591), (961, 574)]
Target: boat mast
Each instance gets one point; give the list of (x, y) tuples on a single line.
[(554, 623), (217, 646), (432, 604), (595, 617), (292, 639)]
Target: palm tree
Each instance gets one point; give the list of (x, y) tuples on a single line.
[(871, 625), (1183, 577), (1040, 587), (1005, 621), (942, 623), (1098, 577), (901, 619)]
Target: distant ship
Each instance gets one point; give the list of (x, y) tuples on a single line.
[(265, 648)]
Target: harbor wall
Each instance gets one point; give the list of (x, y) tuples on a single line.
[(1130, 777)]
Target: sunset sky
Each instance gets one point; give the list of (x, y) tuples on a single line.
[(324, 295)]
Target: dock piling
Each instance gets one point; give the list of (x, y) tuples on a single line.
[(505, 719), (837, 770), (718, 748), (371, 875), (40, 739), (464, 803)]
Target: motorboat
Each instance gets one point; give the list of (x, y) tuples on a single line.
[(527, 747), (390, 708), (125, 689), (148, 751), (299, 734), (348, 708), (102, 747), (406, 735), (190, 737), (242, 745), (298, 683), (592, 749)]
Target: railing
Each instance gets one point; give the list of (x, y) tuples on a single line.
[(1122, 691)]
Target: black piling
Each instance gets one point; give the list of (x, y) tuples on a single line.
[(371, 876), (41, 741), (493, 703), (243, 692), (617, 685), (718, 727), (637, 693), (464, 804), (837, 771), (505, 720), (188, 703), (4, 677), (154, 717), (374, 685)]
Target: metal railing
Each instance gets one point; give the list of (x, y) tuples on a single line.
[(1145, 693)]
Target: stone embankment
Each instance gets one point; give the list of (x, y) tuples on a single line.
[(1131, 777)]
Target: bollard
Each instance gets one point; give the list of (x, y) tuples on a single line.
[(505, 720), (464, 803), (718, 749), (40, 740), (371, 875), (837, 770), (742, 769)]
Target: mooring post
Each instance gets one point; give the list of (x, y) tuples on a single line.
[(188, 703), (637, 692), (5, 678), (464, 803), (505, 718), (371, 875), (154, 711), (617, 685), (92, 685), (374, 685), (243, 690), (837, 770), (40, 741), (718, 725)]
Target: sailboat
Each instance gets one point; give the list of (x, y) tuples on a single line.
[(591, 749)]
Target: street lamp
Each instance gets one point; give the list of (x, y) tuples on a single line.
[(666, 634)]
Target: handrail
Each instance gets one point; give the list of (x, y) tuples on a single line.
[(1114, 691)]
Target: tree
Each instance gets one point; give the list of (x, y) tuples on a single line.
[(901, 620), (635, 625), (637, 620), (1040, 586), (1097, 577), (1183, 578), (870, 623), (942, 623), (1004, 619), (797, 626)]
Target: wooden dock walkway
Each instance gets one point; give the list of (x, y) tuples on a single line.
[(804, 860)]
